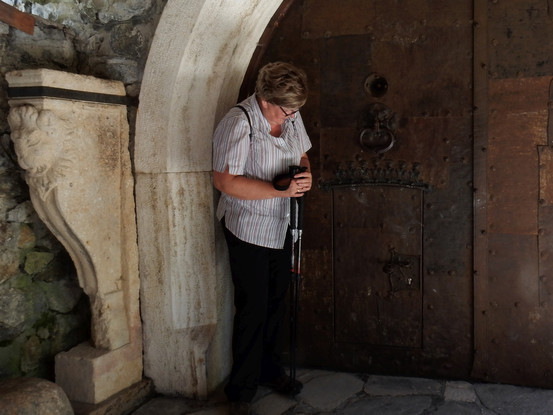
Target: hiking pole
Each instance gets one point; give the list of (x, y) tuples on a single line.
[(296, 278), (282, 182), (293, 311)]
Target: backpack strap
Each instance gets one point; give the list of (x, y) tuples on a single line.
[(248, 117)]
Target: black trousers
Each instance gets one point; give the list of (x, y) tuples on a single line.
[(261, 277)]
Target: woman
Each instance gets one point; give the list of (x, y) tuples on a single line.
[(250, 150)]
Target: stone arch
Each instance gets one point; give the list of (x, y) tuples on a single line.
[(197, 61)]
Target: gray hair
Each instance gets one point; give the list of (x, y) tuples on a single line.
[(282, 84)]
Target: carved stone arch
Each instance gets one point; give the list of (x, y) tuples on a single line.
[(197, 61)]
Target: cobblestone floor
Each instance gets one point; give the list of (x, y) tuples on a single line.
[(327, 392)]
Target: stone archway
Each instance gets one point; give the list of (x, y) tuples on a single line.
[(196, 64)]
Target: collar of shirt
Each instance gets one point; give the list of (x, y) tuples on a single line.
[(258, 119)]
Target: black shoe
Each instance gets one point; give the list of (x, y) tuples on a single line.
[(284, 385), (240, 408)]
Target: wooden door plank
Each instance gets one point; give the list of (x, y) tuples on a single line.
[(480, 240)]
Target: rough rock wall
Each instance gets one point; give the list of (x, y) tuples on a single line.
[(42, 308)]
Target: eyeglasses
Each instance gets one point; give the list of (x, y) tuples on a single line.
[(287, 114)]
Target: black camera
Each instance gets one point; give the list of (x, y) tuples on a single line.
[(282, 181)]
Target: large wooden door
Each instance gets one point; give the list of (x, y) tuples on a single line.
[(377, 254), (387, 243)]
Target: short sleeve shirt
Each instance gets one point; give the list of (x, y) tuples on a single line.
[(259, 222)]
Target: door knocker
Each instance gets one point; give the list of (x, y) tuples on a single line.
[(378, 130)]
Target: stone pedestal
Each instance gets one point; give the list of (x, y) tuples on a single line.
[(71, 135)]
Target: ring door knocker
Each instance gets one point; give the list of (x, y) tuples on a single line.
[(378, 135)]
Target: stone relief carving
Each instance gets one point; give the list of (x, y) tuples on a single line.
[(45, 145), (43, 156), (77, 165)]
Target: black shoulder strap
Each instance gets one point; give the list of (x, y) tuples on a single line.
[(248, 117)]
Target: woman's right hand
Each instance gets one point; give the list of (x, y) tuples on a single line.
[(297, 187)]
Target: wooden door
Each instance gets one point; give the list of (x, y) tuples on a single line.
[(387, 242), (377, 256)]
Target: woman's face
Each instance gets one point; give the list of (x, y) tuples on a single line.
[(275, 114)]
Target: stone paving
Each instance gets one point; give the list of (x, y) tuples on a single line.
[(327, 392)]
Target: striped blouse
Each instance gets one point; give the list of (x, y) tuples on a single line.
[(259, 222)]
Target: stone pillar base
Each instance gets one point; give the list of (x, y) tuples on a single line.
[(92, 375)]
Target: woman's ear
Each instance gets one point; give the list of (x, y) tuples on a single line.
[(264, 107), (264, 104)]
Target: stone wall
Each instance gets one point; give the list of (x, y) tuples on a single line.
[(42, 308)]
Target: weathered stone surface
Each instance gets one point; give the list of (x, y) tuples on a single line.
[(273, 404), (36, 303), (77, 165), (400, 405), (73, 34), (9, 253), (123, 402), (459, 392), (31, 396), (62, 296), (22, 213), (450, 408), (495, 400), (398, 386), (92, 375), (49, 40), (37, 261), (70, 329), (82, 37), (84, 166), (31, 355), (12, 312), (513, 400), (10, 359), (179, 309), (170, 406), (177, 103), (27, 238), (329, 391)]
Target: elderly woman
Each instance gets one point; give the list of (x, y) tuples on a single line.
[(253, 143)]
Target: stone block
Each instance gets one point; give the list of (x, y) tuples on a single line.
[(459, 392), (101, 373), (31, 396), (328, 392)]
